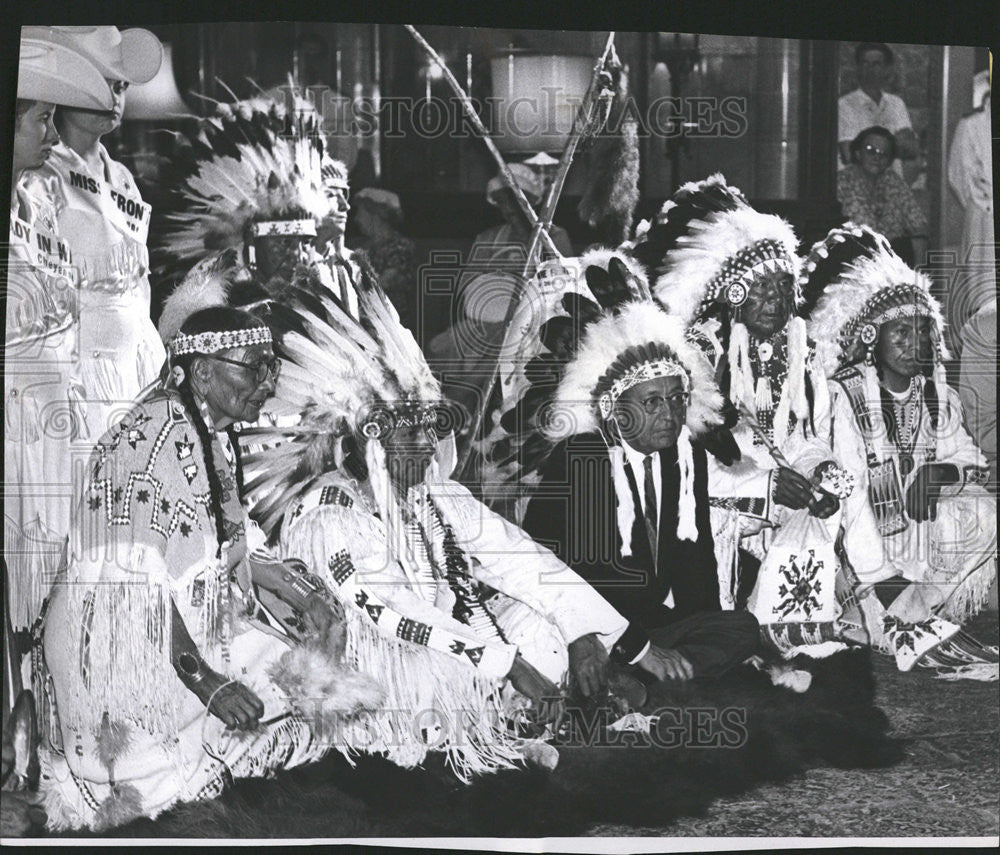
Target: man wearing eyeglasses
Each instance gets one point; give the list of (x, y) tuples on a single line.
[(870, 105), (677, 630)]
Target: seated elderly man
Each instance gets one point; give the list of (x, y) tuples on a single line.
[(899, 427), (464, 620), (731, 272), (624, 499), (170, 646)]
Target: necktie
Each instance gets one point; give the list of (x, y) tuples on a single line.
[(347, 294), (649, 503)]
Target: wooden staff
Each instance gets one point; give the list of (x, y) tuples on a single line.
[(774, 451), (580, 125), (470, 111), (540, 231)]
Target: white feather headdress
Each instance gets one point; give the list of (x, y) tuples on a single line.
[(717, 243), (636, 325), (862, 282), (255, 161), (340, 377)]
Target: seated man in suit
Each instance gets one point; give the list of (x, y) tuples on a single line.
[(629, 484)]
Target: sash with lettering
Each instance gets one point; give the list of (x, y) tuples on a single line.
[(40, 283), (106, 223)]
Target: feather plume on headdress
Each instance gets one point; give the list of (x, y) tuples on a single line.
[(859, 279), (340, 376), (711, 244), (207, 284), (253, 161)]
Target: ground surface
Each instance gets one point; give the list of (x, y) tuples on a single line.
[(947, 786)]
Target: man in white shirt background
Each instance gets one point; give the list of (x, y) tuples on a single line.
[(870, 105)]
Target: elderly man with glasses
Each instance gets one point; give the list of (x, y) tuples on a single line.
[(624, 500)]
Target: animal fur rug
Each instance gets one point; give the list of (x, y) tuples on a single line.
[(769, 733)]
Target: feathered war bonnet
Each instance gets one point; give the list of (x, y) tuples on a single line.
[(635, 343), (342, 378), (253, 178), (707, 248), (857, 283)]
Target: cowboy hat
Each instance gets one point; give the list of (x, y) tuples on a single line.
[(526, 179), (58, 75), (131, 55)]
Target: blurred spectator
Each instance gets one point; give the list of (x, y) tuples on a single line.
[(977, 382), (870, 105), (970, 173), (377, 216), (511, 239), (466, 353), (871, 194)]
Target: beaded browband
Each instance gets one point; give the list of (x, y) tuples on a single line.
[(739, 271), (637, 374), (213, 342), (889, 304), (284, 228), (383, 419)]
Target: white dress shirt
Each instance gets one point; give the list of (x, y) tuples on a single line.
[(635, 459)]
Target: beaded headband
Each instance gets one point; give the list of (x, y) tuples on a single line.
[(738, 273), (383, 419), (272, 228), (889, 304), (213, 342), (334, 175), (639, 374)]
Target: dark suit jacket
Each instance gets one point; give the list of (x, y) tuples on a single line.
[(574, 513)]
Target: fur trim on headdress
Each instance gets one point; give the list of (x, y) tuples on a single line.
[(687, 526), (870, 280), (716, 247), (635, 325)]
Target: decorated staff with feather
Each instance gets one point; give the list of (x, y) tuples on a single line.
[(733, 272), (464, 620), (178, 660), (623, 496), (899, 427)]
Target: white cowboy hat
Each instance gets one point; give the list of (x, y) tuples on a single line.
[(131, 55), (58, 75)]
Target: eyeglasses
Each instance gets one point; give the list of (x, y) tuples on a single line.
[(260, 369), (875, 150), (655, 403)]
